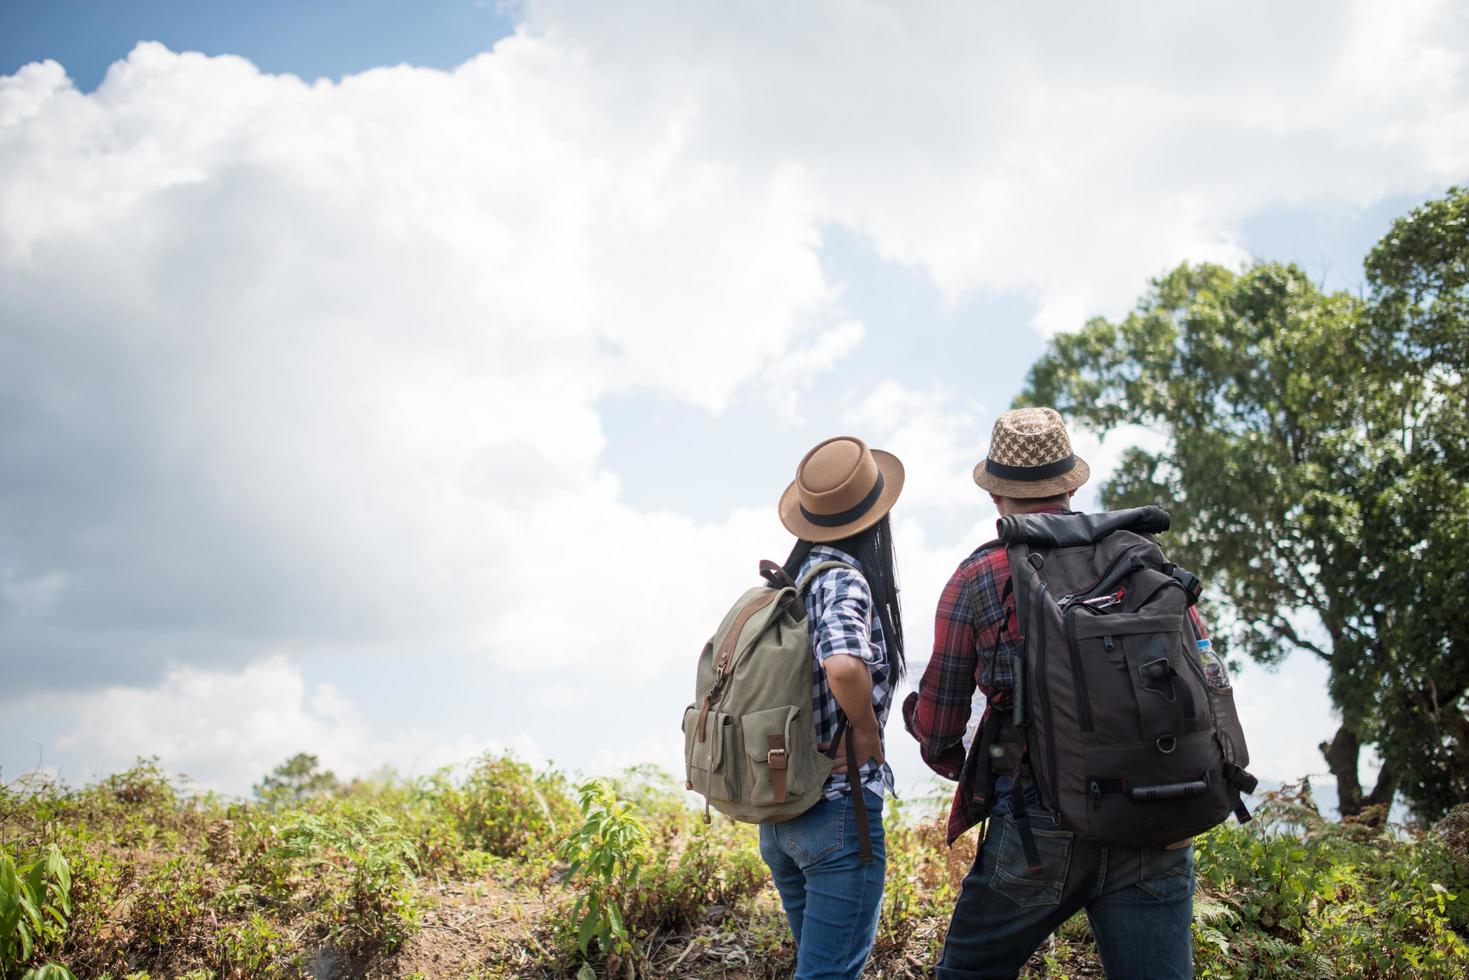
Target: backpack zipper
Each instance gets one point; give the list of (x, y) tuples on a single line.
[(1122, 566), (1083, 697)]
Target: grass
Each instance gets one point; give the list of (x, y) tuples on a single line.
[(508, 872)]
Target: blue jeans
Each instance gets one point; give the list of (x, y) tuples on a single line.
[(831, 898), (1140, 904)]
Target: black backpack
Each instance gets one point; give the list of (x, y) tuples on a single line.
[(1127, 719)]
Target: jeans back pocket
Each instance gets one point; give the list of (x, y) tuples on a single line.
[(1013, 877), (816, 834)]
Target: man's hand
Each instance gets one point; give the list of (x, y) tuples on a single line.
[(868, 744)]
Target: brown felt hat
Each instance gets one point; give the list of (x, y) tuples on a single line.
[(841, 487), (1030, 456)]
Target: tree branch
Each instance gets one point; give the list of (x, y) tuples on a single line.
[(1285, 629)]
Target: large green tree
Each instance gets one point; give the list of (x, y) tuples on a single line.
[(1419, 317), (1314, 459)]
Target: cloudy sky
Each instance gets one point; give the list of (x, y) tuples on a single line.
[(401, 381)]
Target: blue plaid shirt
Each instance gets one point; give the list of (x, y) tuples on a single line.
[(842, 620)]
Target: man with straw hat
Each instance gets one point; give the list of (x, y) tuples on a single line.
[(1140, 903)]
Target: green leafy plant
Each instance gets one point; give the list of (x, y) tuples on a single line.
[(35, 904), (605, 855), (507, 809), (1295, 894), (252, 948), (362, 867)]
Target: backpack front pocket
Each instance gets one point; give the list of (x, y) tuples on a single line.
[(768, 745), (1133, 681), (712, 759)]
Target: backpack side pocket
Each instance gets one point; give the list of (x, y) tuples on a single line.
[(711, 761)]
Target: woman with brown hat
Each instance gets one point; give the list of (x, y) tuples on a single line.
[(829, 863)]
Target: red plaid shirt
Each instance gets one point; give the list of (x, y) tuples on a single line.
[(965, 657)]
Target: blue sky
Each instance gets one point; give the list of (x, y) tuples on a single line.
[(363, 411), (313, 39)]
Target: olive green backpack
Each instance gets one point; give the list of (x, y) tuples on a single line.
[(749, 738)]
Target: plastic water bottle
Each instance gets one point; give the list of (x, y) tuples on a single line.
[(1215, 673)]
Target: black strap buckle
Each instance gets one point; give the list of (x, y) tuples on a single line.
[(1021, 817), (1241, 782), (1188, 580)]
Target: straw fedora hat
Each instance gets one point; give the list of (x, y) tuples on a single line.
[(1030, 456), (841, 487)]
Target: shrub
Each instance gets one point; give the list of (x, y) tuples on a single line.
[(1296, 894), (507, 809), (361, 873), (35, 903), (252, 948), (920, 886)]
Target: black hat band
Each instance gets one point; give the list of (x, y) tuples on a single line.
[(851, 513), (1030, 474)]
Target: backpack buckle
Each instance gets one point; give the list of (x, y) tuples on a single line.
[(776, 758)]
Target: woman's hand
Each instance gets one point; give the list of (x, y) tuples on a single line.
[(868, 744)]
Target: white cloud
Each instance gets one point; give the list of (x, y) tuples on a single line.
[(320, 362), (317, 366), (790, 378), (1000, 147), (227, 728), (934, 432)]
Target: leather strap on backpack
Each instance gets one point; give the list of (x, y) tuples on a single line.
[(855, 790), (778, 760)]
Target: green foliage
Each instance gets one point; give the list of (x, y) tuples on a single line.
[(35, 902), (1316, 462), (360, 868), (699, 866), (51, 971), (206, 888), (298, 778), (605, 855), (1420, 309), (921, 884), (254, 947), (1299, 895), (505, 808), (1230, 368)]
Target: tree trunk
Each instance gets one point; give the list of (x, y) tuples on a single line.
[(1341, 755), (1386, 787)]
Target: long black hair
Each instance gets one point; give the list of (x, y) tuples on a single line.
[(873, 549)]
